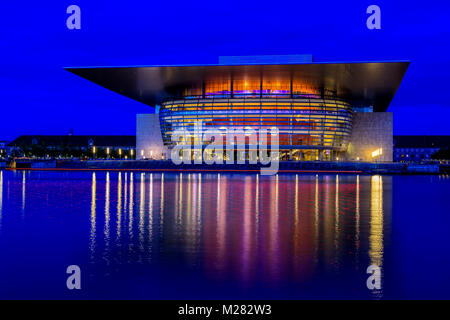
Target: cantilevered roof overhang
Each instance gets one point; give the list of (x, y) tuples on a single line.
[(360, 83)]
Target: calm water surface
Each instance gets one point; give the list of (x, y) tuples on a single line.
[(223, 236)]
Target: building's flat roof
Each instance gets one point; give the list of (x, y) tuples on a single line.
[(369, 83)]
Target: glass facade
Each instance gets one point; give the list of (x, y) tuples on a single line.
[(252, 86), (309, 128)]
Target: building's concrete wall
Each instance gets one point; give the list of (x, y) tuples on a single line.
[(149, 144), (371, 131)]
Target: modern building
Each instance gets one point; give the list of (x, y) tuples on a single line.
[(418, 148), (323, 111), (104, 146)]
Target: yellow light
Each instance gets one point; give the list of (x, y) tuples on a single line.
[(131, 151), (107, 150), (93, 149), (142, 153), (120, 151), (377, 153)]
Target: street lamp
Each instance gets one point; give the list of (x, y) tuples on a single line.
[(107, 152), (131, 153), (120, 153), (93, 151)]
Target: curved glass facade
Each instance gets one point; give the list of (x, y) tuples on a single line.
[(309, 128)]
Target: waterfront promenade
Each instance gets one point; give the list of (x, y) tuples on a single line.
[(284, 166)]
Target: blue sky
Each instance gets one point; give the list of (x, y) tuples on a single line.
[(39, 97)]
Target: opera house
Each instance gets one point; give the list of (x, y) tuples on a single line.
[(323, 111)]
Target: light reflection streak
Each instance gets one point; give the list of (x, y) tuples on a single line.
[(221, 223), (119, 205), (297, 234), (1, 198), (257, 199), (93, 215), (247, 226), (130, 209), (141, 212), (336, 218), (199, 196), (180, 200), (150, 215), (190, 228), (23, 191), (376, 220), (125, 193), (328, 228), (376, 226), (316, 221), (274, 220), (161, 205), (357, 218), (189, 224), (107, 214)]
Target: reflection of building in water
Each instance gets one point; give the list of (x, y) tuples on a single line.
[(244, 226)]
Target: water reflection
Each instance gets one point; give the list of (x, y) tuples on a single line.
[(24, 185), (119, 205), (244, 228), (259, 234), (376, 226), (93, 216), (107, 217), (1, 198)]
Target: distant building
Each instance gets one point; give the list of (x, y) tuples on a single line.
[(418, 148), (3, 148), (114, 146)]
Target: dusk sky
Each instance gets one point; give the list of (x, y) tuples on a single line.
[(39, 97)]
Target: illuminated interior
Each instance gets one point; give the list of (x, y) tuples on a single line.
[(309, 129)]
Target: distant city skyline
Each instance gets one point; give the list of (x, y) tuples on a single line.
[(40, 97)]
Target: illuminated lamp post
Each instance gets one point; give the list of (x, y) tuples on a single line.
[(93, 151), (120, 153), (107, 152), (131, 153)]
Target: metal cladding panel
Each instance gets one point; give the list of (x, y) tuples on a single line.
[(360, 83)]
